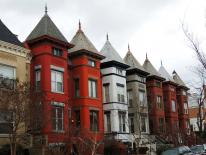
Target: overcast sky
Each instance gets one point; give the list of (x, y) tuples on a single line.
[(152, 26)]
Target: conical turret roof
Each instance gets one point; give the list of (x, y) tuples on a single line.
[(7, 36), (132, 61), (177, 79), (46, 27), (81, 42), (110, 53), (163, 72), (150, 68)]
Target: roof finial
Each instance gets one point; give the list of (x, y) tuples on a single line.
[(128, 48), (146, 56), (161, 63), (80, 26), (46, 8), (107, 37)]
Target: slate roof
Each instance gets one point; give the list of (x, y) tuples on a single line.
[(46, 27), (163, 72), (81, 42), (132, 61), (110, 53), (7, 36), (177, 79), (150, 68)]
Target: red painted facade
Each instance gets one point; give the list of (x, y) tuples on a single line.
[(182, 99), (42, 57), (156, 108), (80, 69), (171, 117)]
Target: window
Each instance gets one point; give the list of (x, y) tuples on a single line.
[(106, 93), (122, 125), (172, 89), (120, 93), (57, 81), (91, 63), (185, 108), (76, 87), (141, 79), (78, 118), (173, 106), (57, 52), (131, 124), (107, 121), (57, 118), (119, 71), (129, 97), (142, 97), (143, 124), (6, 122), (94, 120), (37, 80), (7, 76), (92, 88), (158, 84), (184, 93), (159, 102), (161, 124)]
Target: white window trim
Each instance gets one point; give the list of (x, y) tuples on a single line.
[(60, 104), (37, 67), (60, 69)]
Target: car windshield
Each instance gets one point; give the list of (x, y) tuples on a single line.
[(197, 149)]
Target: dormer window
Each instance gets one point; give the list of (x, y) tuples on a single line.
[(57, 52), (91, 63), (119, 71)]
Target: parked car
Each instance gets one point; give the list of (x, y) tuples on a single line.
[(199, 149), (182, 150)]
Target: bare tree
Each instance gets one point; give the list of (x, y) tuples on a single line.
[(17, 106), (201, 72)]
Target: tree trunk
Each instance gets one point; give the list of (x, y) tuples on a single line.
[(13, 148)]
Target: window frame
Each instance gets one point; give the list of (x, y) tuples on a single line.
[(92, 93), (122, 121), (94, 122), (173, 106), (56, 118), (106, 96), (55, 82), (38, 79), (76, 87), (91, 62), (57, 52)]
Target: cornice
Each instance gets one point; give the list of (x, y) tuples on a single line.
[(15, 50)]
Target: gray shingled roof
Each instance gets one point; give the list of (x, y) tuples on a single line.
[(7, 36), (132, 61), (110, 53), (163, 72), (81, 42), (150, 68), (177, 79), (46, 27)]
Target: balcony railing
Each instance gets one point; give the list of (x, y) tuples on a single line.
[(7, 83)]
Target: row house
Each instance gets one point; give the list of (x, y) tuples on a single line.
[(155, 99), (85, 87), (49, 74), (182, 101), (170, 101), (115, 106), (137, 101), (14, 64)]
